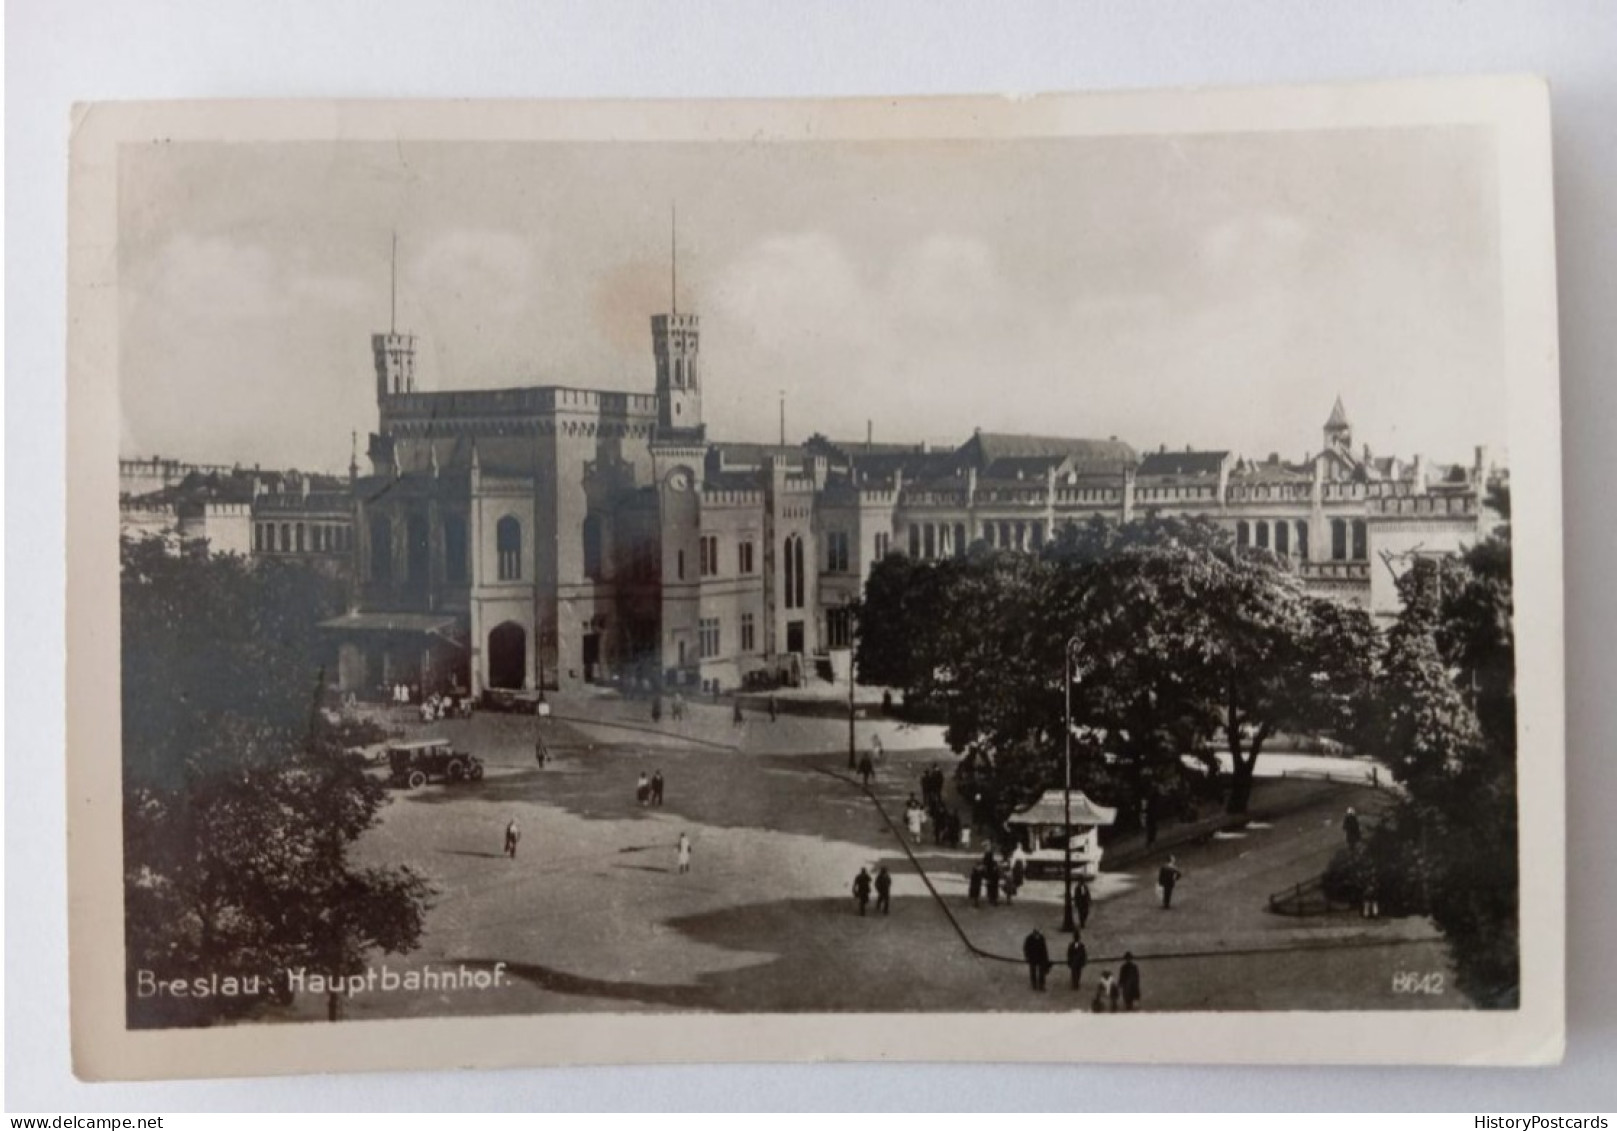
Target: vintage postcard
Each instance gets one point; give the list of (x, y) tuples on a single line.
[(1058, 578)]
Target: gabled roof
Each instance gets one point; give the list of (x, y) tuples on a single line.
[(987, 448), (1181, 463)]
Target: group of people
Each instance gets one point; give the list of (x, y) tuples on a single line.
[(648, 791), (435, 707), (881, 884), (1112, 995), (676, 707), (994, 878)]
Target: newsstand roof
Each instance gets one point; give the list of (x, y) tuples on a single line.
[(1051, 810)]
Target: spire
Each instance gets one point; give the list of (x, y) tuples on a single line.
[(393, 288), (1338, 416)]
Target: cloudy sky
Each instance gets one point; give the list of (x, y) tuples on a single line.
[(1212, 290)]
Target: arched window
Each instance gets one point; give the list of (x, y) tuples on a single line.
[(381, 548), (508, 547)]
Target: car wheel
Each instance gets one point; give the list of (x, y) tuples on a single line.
[(417, 779)]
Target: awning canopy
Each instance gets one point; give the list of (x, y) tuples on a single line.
[(413, 624), (1051, 810)]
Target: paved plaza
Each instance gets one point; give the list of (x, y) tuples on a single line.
[(593, 915)]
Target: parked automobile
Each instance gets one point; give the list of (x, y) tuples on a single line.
[(414, 764)]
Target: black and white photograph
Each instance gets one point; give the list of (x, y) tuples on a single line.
[(978, 565)]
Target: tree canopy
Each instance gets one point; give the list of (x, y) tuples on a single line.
[(240, 802)]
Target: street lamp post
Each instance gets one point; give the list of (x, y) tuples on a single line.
[(1070, 669), (853, 757)]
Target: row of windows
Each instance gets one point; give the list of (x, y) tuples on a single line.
[(299, 538), (1350, 540), (709, 556), (710, 639), (417, 548)]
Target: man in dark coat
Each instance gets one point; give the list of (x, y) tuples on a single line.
[(736, 717), (1167, 876), (861, 889), (1350, 828), (1037, 953), (1128, 982), (656, 787), (1077, 958), (974, 885), (867, 769), (991, 878), (884, 889), (1082, 901)]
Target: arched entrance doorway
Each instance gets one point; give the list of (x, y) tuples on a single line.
[(507, 655)]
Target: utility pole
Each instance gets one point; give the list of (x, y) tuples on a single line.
[(1070, 672), (853, 757)]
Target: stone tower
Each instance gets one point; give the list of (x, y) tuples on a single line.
[(676, 343), (393, 352), (395, 363), (1338, 432)]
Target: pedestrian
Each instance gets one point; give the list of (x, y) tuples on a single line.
[(875, 748), (884, 889), (1167, 876), (656, 708), (974, 885), (1370, 908), (540, 753), (886, 702), (991, 878), (861, 889), (772, 710), (642, 790), (683, 856), (1128, 982), (1037, 953), (1077, 957), (915, 818), (679, 706), (1350, 828), (1082, 901), (512, 835), (735, 716), (866, 769), (657, 788), (1105, 994), (1018, 868)]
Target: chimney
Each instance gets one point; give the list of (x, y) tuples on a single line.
[(870, 434), (1419, 487), (1480, 471)]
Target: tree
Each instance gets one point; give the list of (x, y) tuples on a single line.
[(240, 802), (1446, 726)]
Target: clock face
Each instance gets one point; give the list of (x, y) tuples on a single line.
[(679, 479)]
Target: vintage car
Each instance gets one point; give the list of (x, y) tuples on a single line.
[(414, 764)]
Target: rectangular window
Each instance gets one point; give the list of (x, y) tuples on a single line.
[(455, 549), (836, 551), (838, 628), (744, 557), (258, 536), (710, 555), (915, 541), (286, 537), (300, 537), (748, 641), (679, 565), (709, 633), (884, 545)]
